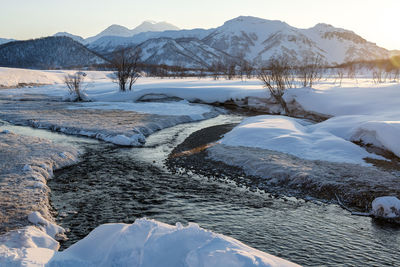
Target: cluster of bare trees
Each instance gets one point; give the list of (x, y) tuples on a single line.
[(277, 76), (126, 63), (386, 71), (280, 74), (310, 70), (74, 84)]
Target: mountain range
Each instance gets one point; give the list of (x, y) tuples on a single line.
[(254, 39)]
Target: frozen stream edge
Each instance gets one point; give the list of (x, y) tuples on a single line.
[(26, 163)]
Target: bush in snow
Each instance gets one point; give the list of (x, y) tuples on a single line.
[(310, 71), (74, 85), (277, 76)]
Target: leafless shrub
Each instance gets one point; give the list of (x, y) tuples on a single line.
[(74, 85), (126, 63), (378, 75), (277, 76), (339, 75), (310, 70), (352, 71), (217, 69)]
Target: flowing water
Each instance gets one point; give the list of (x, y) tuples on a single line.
[(113, 184)]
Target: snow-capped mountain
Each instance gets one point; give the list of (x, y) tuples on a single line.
[(183, 52), (109, 43), (121, 31), (72, 36), (257, 40), (340, 45), (47, 53), (253, 39)]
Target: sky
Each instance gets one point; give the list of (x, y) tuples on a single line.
[(376, 21)]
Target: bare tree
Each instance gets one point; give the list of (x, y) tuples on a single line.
[(125, 62), (277, 76), (378, 75), (230, 70), (339, 75), (310, 70), (216, 69), (74, 85), (352, 71)]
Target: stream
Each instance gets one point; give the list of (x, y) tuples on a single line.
[(116, 184)]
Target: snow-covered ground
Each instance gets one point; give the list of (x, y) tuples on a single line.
[(144, 243), (364, 111), (289, 150)]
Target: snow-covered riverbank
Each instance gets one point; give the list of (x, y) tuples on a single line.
[(113, 125), (26, 163)]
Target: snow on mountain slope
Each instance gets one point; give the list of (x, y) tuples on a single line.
[(185, 52), (107, 44), (72, 36), (121, 31), (259, 39), (342, 45), (151, 26)]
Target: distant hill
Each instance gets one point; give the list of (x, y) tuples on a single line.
[(121, 31), (47, 53), (3, 40), (72, 36)]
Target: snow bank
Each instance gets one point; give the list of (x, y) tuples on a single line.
[(110, 124), (181, 108), (298, 138), (11, 77), (146, 243), (386, 207), (26, 163), (366, 98)]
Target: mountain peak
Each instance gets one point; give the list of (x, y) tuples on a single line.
[(152, 26), (67, 34)]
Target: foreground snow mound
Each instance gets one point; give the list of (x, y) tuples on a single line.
[(386, 207), (296, 137), (151, 243)]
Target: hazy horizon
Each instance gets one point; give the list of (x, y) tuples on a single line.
[(370, 19)]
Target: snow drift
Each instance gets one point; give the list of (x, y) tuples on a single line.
[(298, 138), (146, 243)]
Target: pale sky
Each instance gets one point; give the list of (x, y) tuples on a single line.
[(377, 21)]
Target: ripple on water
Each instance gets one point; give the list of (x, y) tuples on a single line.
[(112, 185)]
